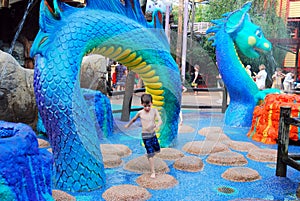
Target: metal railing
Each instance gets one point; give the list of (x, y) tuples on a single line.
[(199, 27), (223, 106), (285, 159)]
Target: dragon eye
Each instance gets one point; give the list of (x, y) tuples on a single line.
[(258, 33)]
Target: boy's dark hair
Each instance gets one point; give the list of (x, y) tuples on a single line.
[(146, 99)]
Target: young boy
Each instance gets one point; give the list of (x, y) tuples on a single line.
[(148, 116)]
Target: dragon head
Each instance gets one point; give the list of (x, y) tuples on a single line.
[(247, 36)]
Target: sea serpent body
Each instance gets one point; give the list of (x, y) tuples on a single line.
[(236, 29), (119, 32)]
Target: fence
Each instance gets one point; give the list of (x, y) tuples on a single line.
[(283, 157), (199, 27), (223, 106)]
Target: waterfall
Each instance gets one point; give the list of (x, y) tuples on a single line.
[(20, 27)]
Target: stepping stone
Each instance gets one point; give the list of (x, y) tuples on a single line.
[(115, 149), (227, 158), (59, 195), (111, 161), (189, 164), (210, 130), (263, 155), (220, 137), (141, 165), (161, 181), (43, 143), (241, 174), (204, 147), (169, 154), (126, 192), (185, 129), (241, 146)]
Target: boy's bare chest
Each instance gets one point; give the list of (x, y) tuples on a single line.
[(147, 116)]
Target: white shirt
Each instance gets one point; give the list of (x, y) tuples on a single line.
[(288, 78), (261, 79)]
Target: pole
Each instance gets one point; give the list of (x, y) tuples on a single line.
[(179, 33), (192, 35), (167, 22), (193, 21), (184, 39)]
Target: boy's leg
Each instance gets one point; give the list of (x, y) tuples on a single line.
[(151, 162)]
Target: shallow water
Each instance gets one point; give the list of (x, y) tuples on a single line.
[(208, 183)]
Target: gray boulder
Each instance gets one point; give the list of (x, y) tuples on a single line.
[(17, 100)]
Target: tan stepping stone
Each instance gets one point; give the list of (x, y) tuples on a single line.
[(50, 150), (210, 130), (126, 192), (185, 129), (241, 146), (115, 149), (59, 195), (189, 164), (220, 137), (169, 154), (43, 143), (111, 161), (241, 174), (263, 155), (227, 158), (204, 147), (141, 165), (161, 181)]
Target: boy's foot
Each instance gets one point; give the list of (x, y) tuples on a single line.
[(152, 175)]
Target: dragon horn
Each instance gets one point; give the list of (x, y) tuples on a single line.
[(235, 19)]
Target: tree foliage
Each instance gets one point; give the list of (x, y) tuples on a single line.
[(262, 13)]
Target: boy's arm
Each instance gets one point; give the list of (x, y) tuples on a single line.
[(132, 120)]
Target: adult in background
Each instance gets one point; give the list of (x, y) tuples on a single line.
[(197, 78), (248, 67), (120, 70), (261, 77), (288, 81), (122, 81), (277, 79)]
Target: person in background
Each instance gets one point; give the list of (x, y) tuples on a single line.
[(114, 80), (120, 70), (248, 67), (288, 81), (197, 78), (122, 81), (277, 79), (261, 77)]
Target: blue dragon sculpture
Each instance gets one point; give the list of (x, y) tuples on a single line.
[(117, 31), (236, 29)]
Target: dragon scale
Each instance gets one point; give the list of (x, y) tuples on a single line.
[(113, 30)]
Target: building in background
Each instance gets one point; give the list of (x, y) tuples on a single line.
[(289, 10)]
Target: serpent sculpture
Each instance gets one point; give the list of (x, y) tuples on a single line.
[(117, 31), (236, 29), (25, 170)]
